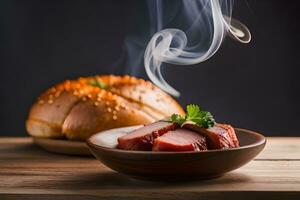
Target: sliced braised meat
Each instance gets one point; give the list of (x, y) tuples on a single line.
[(220, 136), (143, 138), (180, 140), (232, 134)]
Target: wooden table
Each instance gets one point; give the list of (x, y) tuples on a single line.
[(27, 172)]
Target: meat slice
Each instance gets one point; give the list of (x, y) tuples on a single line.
[(143, 138), (220, 136), (180, 140)]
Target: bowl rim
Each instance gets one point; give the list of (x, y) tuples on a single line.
[(261, 140)]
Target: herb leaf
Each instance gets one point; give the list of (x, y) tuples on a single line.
[(193, 111), (177, 118), (196, 115), (98, 83)]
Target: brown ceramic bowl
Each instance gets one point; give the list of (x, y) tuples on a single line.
[(169, 166)]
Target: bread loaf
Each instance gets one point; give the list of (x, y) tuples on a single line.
[(76, 109)]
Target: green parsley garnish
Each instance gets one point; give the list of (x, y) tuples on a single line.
[(98, 83), (196, 116)]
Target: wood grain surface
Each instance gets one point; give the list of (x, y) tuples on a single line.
[(28, 172)]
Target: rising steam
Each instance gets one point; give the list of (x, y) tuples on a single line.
[(209, 21)]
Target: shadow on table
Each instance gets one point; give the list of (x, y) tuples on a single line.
[(112, 180)]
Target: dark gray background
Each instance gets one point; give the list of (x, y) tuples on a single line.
[(253, 86)]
